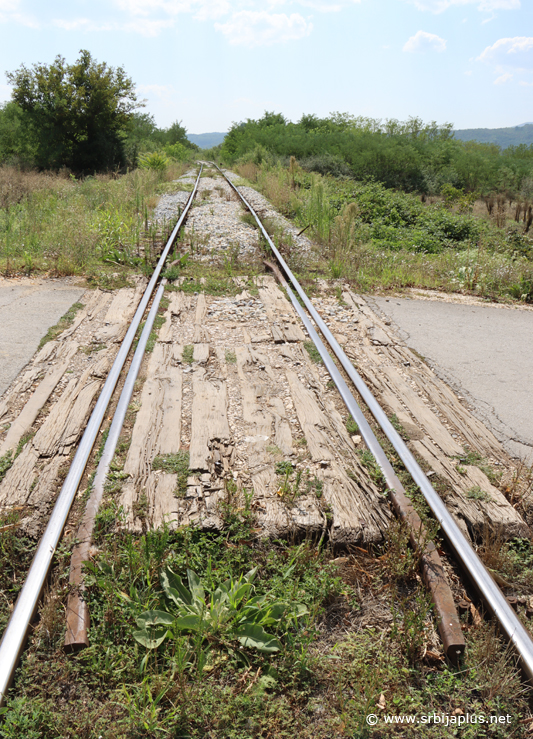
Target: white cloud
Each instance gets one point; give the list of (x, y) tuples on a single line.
[(324, 6), (8, 12), (486, 6), (503, 78), (216, 8), (509, 51), (424, 41), (244, 22), (490, 6), (509, 57), (259, 28), (212, 10), (171, 7), (160, 91)]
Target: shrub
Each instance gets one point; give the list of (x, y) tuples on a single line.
[(154, 160)]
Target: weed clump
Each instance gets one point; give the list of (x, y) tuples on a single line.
[(6, 462), (177, 464), (313, 352), (64, 322)]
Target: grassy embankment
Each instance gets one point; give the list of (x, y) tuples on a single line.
[(378, 238), (51, 223)]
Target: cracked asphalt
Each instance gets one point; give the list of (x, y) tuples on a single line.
[(28, 307), (484, 352)]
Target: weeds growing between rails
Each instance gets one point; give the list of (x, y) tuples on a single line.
[(57, 224)]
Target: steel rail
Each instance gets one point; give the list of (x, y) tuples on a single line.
[(15, 633), (448, 621), (468, 558), (76, 636)]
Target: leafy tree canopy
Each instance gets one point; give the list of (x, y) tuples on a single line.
[(409, 155), (77, 113)]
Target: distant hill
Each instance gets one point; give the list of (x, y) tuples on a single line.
[(504, 137), (206, 140)]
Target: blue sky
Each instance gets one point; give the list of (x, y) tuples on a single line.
[(211, 62)]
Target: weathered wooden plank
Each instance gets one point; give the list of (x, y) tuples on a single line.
[(293, 332), (311, 419), (258, 422), (46, 440), (261, 338), (476, 434), (94, 301), (16, 485), (118, 315), (357, 517), (201, 334), (23, 423), (157, 428), (177, 305), (473, 501), (201, 353), (209, 420), (423, 415), (78, 416), (220, 353), (282, 428), (360, 512), (162, 501), (283, 321), (128, 504), (277, 334), (272, 516), (169, 428)]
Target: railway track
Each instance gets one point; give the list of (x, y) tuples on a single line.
[(215, 395)]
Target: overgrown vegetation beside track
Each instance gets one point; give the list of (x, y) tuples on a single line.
[(407, 155), (380, 238), (56, 224)]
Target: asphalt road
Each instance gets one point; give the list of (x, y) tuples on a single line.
[(484, 352), (27, 310)]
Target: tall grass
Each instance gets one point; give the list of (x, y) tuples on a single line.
[(406, 244), (55, 223)]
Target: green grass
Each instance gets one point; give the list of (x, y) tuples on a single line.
[(471, 457), (476, 493), (332, 668), (177, 464), (6, 462), (377, 238), (351, 426), (187, 355), (64, 322), (313, 352), (96, 226)]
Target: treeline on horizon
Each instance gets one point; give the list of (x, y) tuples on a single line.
[(412, 155), (83, 117)]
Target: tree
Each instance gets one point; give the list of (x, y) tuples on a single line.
[(77, 114), (15, 143)]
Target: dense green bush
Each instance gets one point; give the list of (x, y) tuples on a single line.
[(411, 156)]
